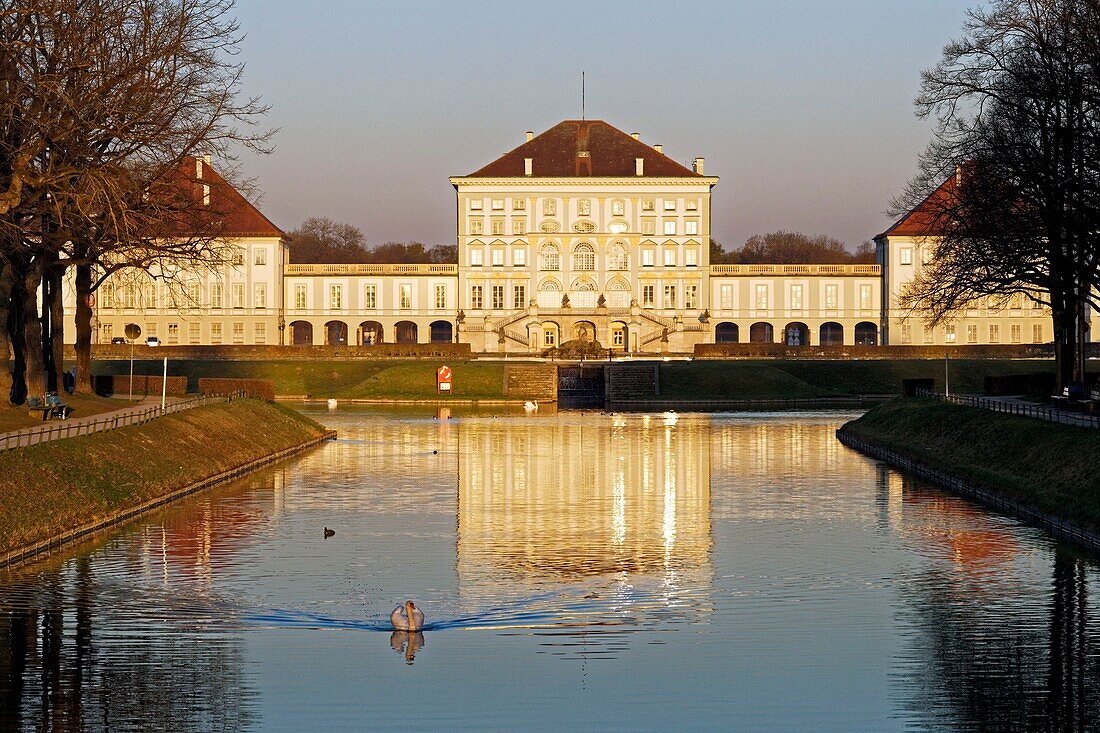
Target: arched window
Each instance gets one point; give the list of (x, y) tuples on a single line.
[(617, 257), (550, 285), (583, 285), (550, 257), (584, 257)]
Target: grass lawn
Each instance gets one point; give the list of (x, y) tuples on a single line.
[(83, 406), (1054, 468), (64, 484)]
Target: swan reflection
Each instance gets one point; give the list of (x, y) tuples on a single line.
[(407, 643)]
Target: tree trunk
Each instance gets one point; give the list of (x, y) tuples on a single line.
[(32, 333), (83, 283), (5, 359), (16, 333), (56, 335), (1065, 344)]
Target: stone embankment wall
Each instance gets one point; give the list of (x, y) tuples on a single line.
[(278, 353), (631, 382), (782, 351), (535, 381)]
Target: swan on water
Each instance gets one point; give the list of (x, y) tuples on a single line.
[(407, 617), (530, 406), (332, 403)]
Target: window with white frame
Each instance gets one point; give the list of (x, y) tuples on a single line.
[(972, 333), (477, 293), (949, 335), (994, 333), (259, 333), (648, 226), (335, 296), (549, 335), (865, 297), (519, 204), (497, 227), (670, 204), (238, 295), (584, 207), (173, 333), (647, 257), (648, 296), (193, 295), (129, 297), (498, 297), (151, 295), (647, 205), (477, 226), (670, 227), (497, 204), (796, 297), (519, 297), (691, 227), (259, 295), (476, 204), (238, 332), (405, 296), (440, 296), (215, 295), (832, 296), (519, 226), (300, 297), (670, 257), (584, 257), (215, 333), (551, 257), (550, 207), (617, 257), (476, 255), (370, 297), (617, 208), (690, 293), (928, 335), (107, 330), (906, 333), (670, 296), (1037, 333), (1016, 333), (260, 256), (691, 257), (150, 329), (194, 332), (725, 296), (108, 296), (905, 255), (496, 255), (691, 205), (761, 297), (238, 256), (519, 257)]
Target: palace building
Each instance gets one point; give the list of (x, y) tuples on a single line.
[(581, 232)]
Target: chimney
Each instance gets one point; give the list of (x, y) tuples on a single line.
[(697, 165), (530, 136), (206, 158), (198, 168), (660, 149), (635, 135), (639, 166), (528, 166)]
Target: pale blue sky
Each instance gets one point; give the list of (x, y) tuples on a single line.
[(804, 109)]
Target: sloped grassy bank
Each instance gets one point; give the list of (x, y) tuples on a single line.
[(51, 490), (1043, 468)]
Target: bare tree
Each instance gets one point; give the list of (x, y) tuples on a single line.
[(1017, 100)]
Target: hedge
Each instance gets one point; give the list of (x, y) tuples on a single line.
[(262, 389)]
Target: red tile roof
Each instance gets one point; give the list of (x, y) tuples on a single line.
[(239, 218), (923, 219), (558, 153)]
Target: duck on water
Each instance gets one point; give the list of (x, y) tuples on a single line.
[(407, 617)]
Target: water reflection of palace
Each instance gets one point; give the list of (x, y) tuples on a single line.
[(568, 497)]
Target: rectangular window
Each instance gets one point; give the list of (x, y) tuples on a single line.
[(259, 295), (647, 296), (216, 295), (725, 297), (832, 296), (519, 297), (972, 334), (647, 204), (648, 226), (690, 292), (1037, 333), (949, 336), (477, 226), (173, 333), (994, 333), (193, 296), (260, 333), (498, 227), (238, 333), (519, 204), (300, 297), (497, 253), (761, 297), (476, 255), (617, 208), (549, 337), (238, 295), (150, 329), (796, 297), (928, 335), (335, 297), (519, 226), (647, 257), (519, 257), (865, 297), (550, 207), (905, 255), (107, 329), (691, 205), (194, 332), (1016, 333), (670, 257), (498, 297), (670, 204), (108, 296), (215, 333), (691, 227), (370, 297), (584, 207), (670, 296), (261, 256), (476, 295), (129, 294), (691, 257), (238, 256), (906, 333), (670, 227), (498, 204), (440, 296), (405, 296), (926, 255), (476, 204)]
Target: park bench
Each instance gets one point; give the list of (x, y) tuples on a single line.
[(49, 407)]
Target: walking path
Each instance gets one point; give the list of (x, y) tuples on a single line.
[(1019, 406), (143, 411)]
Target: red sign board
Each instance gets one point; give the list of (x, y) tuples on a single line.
[(443, 379)]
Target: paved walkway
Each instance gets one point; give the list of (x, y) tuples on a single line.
[(1017, 405), (141, 411)]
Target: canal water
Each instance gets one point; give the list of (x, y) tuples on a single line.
[(580, 571)]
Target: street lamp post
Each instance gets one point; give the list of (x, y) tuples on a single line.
[(133, 332), (163, 380)]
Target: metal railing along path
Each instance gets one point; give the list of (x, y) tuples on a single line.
[(62, 429), (1039, 412)]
